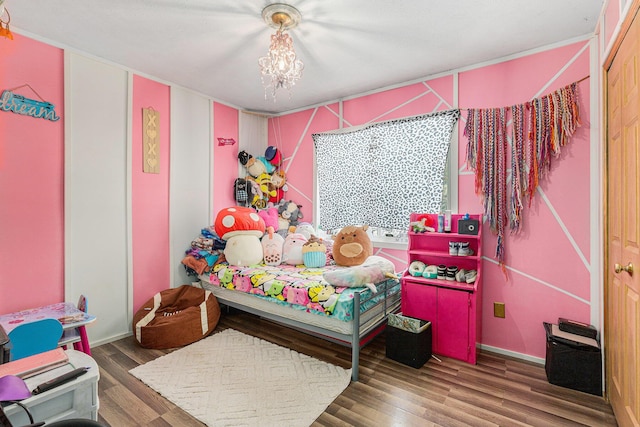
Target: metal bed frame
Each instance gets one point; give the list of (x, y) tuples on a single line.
[(360, 335)]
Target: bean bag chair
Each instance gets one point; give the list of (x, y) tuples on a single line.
[(176, 317)]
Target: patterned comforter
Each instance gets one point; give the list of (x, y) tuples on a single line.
[(296, 286)]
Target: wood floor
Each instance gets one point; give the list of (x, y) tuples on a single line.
[(496, 391)]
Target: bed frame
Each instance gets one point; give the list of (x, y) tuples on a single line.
[(360, 335)]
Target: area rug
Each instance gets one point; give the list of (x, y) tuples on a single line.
[(234, 379)]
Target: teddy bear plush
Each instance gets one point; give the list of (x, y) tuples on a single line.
[(352, 246)]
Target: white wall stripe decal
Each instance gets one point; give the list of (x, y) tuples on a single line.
[(561, 71), (397, 107), (542, 282), (304, 132), (449, 106), (564, 228)]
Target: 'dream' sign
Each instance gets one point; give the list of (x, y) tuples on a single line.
[(18, 104)]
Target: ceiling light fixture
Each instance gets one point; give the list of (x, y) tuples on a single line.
[(280, 68), (4, 24)]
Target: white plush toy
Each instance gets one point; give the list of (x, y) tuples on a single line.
[(292, 249), (272, 245), (375, 269)]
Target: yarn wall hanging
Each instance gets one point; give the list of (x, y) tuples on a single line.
[(540, 128)]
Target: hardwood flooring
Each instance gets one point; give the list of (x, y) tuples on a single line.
[(498, 391)]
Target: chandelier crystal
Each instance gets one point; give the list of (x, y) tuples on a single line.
[(280, 69)]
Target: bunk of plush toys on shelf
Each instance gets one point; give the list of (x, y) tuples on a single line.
[(241, 238)]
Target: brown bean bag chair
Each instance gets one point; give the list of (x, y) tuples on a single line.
[(176, 317)]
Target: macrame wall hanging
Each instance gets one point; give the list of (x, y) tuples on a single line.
[(539, 129)]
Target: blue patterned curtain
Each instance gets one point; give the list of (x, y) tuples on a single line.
[(379, 174)]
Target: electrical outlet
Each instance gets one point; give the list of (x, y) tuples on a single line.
[(498, 310)]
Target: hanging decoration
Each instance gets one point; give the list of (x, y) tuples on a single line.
[(19, 104), (540, 129), (150, 140)]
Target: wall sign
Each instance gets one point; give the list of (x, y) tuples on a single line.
[(150, 140), (226, 141), (19, 104)]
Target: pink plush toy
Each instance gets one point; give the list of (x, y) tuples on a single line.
[(292, 251), (270, 217)]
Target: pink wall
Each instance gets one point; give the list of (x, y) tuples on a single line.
[(549, 261), (611, 18), (225, 157), (150, 196), (31, 179)]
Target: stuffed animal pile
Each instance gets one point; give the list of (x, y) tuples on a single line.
[(265, 182)]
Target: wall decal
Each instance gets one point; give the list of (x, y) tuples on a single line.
[(19, 104), (150, 140)]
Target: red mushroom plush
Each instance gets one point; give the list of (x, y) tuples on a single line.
[(242, 228)]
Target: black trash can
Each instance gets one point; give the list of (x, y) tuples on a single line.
[(573, 361), (408, 340)]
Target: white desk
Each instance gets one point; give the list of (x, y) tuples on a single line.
[(75, 399)]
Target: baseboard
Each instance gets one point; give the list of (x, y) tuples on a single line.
[(514, 354), (110, 339)]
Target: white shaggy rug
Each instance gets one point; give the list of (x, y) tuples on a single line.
[(234, 379)]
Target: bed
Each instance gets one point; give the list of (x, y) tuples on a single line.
[(300, 298)]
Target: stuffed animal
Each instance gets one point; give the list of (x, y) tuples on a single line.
[(273, 155), (272, 246), (292, 249), (270, 217), (314, 253), (289, 213), (267, 165), (242, 228), (264, 180), (305, 229), (352, 246), (279, 179), (244, 157), (375, 269), (255, 167)]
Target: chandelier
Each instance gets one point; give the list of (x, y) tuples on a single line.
[(280, 68), (4, 24)]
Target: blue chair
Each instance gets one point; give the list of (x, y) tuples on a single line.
[(35, 337)]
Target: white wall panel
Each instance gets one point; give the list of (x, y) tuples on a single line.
[(96, 170), (191, 162), (253, 135)]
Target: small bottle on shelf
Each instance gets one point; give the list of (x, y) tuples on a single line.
[(447, 221)]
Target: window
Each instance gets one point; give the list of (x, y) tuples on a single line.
[(379, 174)]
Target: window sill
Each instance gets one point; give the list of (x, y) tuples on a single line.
[(389, 243)]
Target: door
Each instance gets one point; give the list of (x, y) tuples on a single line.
[(622, 283)]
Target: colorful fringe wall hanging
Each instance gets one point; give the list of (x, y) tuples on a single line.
[(540, 128)]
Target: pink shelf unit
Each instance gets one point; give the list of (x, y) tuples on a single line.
[(453, 308)]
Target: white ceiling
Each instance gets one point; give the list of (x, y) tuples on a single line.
[(348, 46)]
